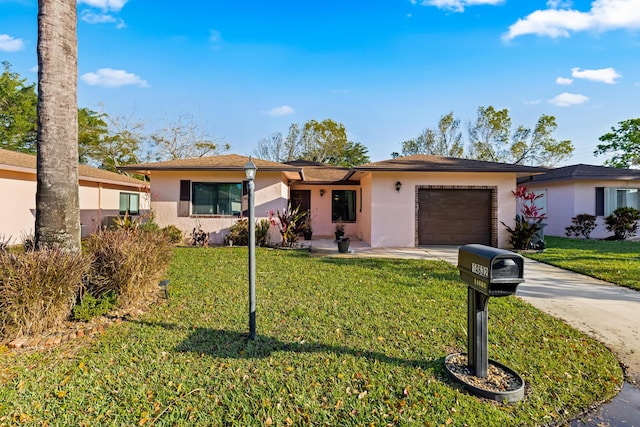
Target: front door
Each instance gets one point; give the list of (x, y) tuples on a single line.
[(301, 198)]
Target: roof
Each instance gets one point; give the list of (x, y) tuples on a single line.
[(428, 163), (320, 173), (226, 162), (22, 162), (586, 172)]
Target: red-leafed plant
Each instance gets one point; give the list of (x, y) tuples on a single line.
[(528, 220), (290, 222)]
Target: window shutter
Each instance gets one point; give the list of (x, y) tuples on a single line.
[(185, 198), (599, 201)]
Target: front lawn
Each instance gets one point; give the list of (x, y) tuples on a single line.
[(615, 261), (340, 342)]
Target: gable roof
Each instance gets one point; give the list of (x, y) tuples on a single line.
[(428, 163), (27, 163), (225, 162), (585, 172)]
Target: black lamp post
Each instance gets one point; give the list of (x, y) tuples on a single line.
[(250, 171)]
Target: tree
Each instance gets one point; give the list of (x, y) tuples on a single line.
[(623, 142), (92, 131), (184, 139), (490, 139), (18, 118), (323, 142), (57, 199), (277, 149), (445, 140), (489, 135), (122, 145)]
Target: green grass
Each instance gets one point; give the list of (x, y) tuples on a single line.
[(348, 342), (615, 261)]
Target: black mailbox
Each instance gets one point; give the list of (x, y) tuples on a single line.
[(491, 271)]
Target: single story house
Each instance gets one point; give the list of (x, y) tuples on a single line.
[(403, 202), (103, 195), (583, 189)]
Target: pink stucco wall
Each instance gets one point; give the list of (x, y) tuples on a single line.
[(97, 200), (270, 191), (570, 198), (321, 210), (393, 213)]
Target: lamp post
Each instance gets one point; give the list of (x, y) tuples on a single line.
[(250, 171)]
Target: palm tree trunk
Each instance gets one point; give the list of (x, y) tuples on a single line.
[(57, 199)]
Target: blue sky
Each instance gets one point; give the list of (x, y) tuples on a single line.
[(385, 69)]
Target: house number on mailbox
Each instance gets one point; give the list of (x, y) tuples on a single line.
[(480, 270)]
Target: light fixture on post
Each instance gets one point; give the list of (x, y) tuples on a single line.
[(398, 185), (321, 192), (250, 172)]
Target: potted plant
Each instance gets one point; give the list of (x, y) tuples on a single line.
[(307, 231), (339, 229), (343, 244)]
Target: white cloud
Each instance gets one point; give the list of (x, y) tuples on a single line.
[(564, 81), (533, 102), (560, 20), (559, 4), (457, 5), (109, 77), (10, 44), (93, 18), (283, 110), (112, 5), (568, 99), (603, 75)]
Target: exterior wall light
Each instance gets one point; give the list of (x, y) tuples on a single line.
[(321, 192), (398, 185)]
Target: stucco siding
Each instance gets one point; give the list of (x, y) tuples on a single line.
[(17, 219), (567, 199), (271, 193), (393, 218)]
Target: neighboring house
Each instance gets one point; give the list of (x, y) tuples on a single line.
[(103, 195), (583, 189), (403, 202)]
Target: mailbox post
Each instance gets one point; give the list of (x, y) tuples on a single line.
[(488, 272)]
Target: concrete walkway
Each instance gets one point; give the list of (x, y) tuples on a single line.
[(609, 313)]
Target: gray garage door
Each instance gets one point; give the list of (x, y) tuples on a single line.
[(454, 217)]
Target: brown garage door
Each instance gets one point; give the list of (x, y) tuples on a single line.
[(454, 217)]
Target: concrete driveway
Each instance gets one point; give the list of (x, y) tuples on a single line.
[(609, 313)]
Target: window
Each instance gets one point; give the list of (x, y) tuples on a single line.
[(343, 205), (208, 198), (615, 198), (129, 203)]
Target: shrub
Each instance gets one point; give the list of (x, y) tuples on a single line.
[(90, 306), (4, 242), (128, 262), (147, 223), (199, 237), (623, 222), (290, 223), (583, 225), (173, 233), (239, 232), (38, 289), (528, 220)]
